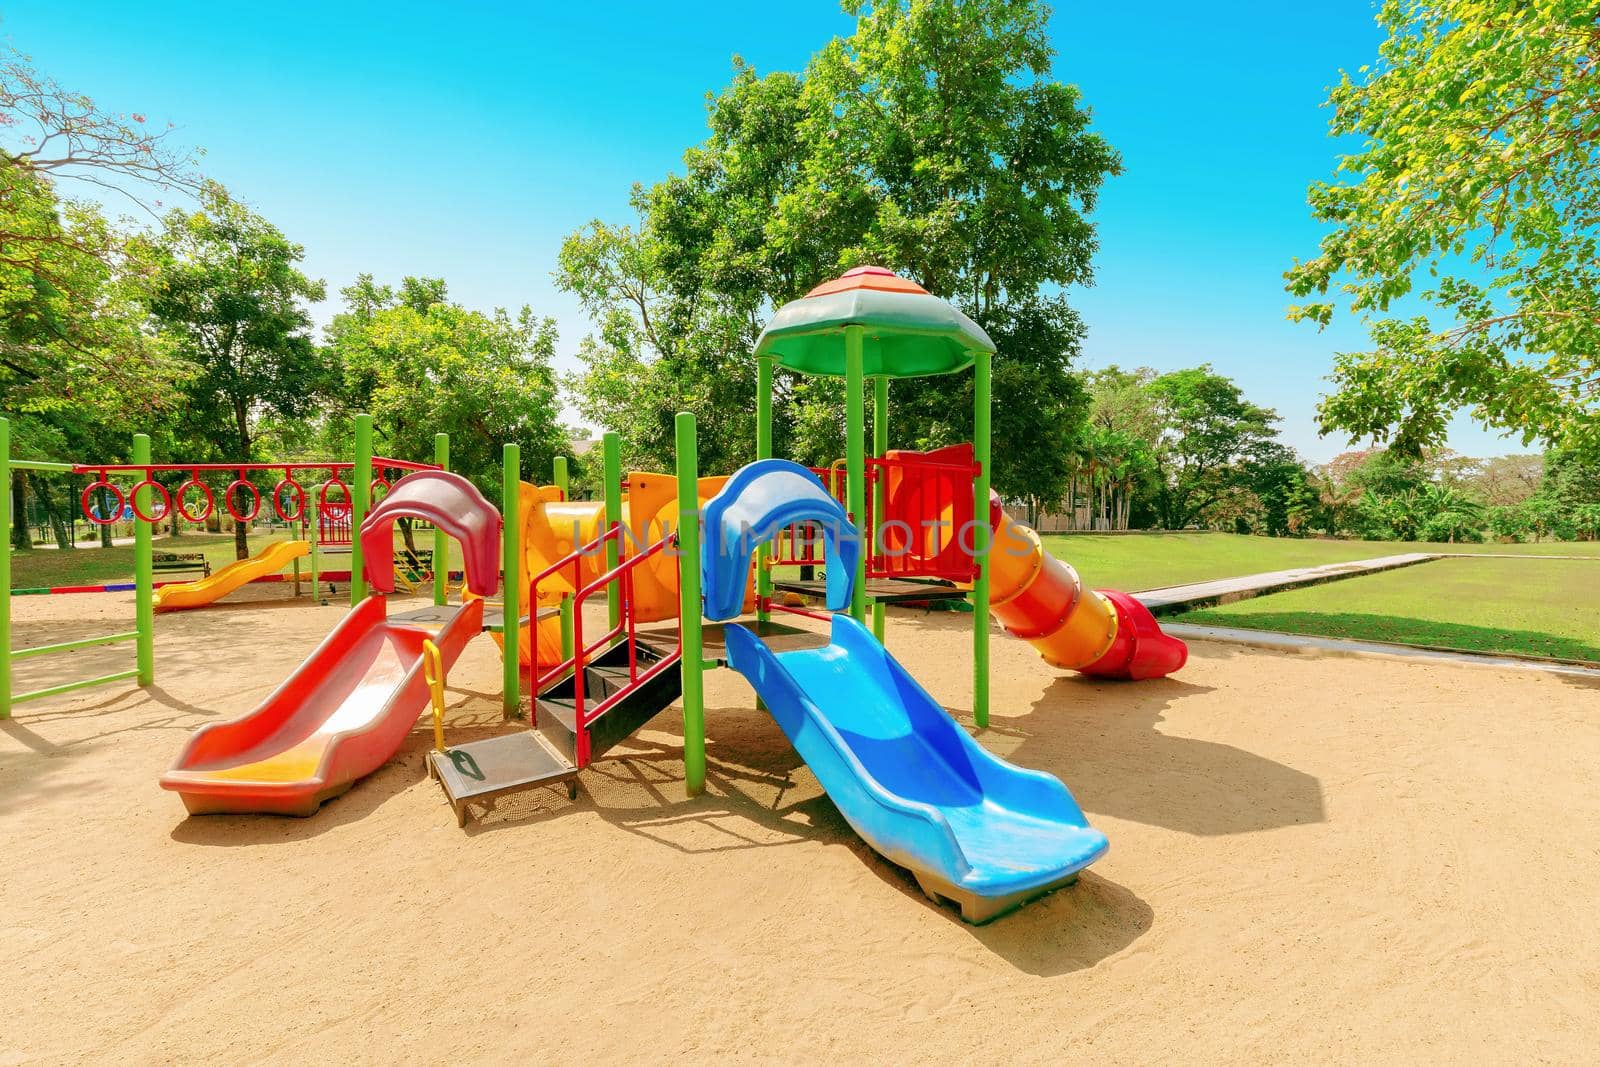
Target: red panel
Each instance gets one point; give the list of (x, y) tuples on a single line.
[(450, 503), (927, 515)]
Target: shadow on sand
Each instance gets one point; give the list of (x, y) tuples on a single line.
[(1118, 762), (751, 774)]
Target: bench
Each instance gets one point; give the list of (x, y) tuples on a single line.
[(413, 569), (181, 561)]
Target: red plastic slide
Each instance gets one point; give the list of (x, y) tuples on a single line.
[(346, 710), (340, 716)]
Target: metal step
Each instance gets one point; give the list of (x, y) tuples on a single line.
[(555, 711), (479, 771), (881, 590)]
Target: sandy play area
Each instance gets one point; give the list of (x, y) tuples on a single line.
[(1312, 859)]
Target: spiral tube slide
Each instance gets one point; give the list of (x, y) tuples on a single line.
[(1041, 600)]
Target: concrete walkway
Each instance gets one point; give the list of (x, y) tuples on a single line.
[(1344, 646), (1175, 599)]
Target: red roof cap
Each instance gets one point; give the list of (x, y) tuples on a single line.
[(879, 278)]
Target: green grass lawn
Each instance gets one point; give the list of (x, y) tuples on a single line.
[(1528, 606), (1151, 561)]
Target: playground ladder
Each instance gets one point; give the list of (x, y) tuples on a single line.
[(582, 707)]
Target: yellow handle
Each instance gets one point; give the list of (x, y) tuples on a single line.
[(433, 674)]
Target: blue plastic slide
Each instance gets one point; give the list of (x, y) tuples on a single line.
[(970, 826)]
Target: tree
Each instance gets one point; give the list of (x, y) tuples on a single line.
[(1208, 429), (933, 140), (76, 364), (1290, 503), (422, 365), (227, 288), (1512, 479), (1477, 170), (1124, 431), (69, 325), (658, 352)]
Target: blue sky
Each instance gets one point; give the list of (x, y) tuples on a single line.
[(403, 138)]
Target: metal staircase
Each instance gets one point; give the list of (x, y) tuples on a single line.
[(582, 707)]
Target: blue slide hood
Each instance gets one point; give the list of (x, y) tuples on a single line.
[(759, 501)]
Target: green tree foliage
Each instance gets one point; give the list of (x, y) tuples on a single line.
[(227, 288), (1110, 463), (1477, 179), (1439, 496), (1284, 493), (1210, 436), (935, 141), (422, 365), (76, 364)]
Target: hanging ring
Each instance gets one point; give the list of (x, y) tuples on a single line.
[(88, 494), (237, 484)]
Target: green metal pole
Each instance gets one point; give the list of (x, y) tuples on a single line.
[(315, 537), (563, 482), (612, 444), (855, 461), (880, 445), (691, 664), (559, 473), (510, 561), (5, 569), (441, 540), (144, 608), (980, 541), (360, 497), (763, 451)]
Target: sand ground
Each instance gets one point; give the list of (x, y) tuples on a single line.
[(1313, 859)]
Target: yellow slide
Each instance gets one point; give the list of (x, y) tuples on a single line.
[(196, 594)]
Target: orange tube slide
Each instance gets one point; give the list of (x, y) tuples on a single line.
[(1041, 600)]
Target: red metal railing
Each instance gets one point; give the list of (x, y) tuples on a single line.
[(801, 544), (769, 604), (622, 575)]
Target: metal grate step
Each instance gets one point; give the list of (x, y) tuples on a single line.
[(480, 771)]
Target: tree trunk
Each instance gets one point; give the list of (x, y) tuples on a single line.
[(53, 513), (20, 540), (241, 530), (103, 502), (405, 533)]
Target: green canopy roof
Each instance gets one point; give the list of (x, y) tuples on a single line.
[(905, 334)]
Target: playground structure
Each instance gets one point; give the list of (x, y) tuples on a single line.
[(681, 560), (933, 515)]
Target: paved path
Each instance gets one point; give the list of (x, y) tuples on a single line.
[(1179, 598), (1348, 647), (1511, 555)]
